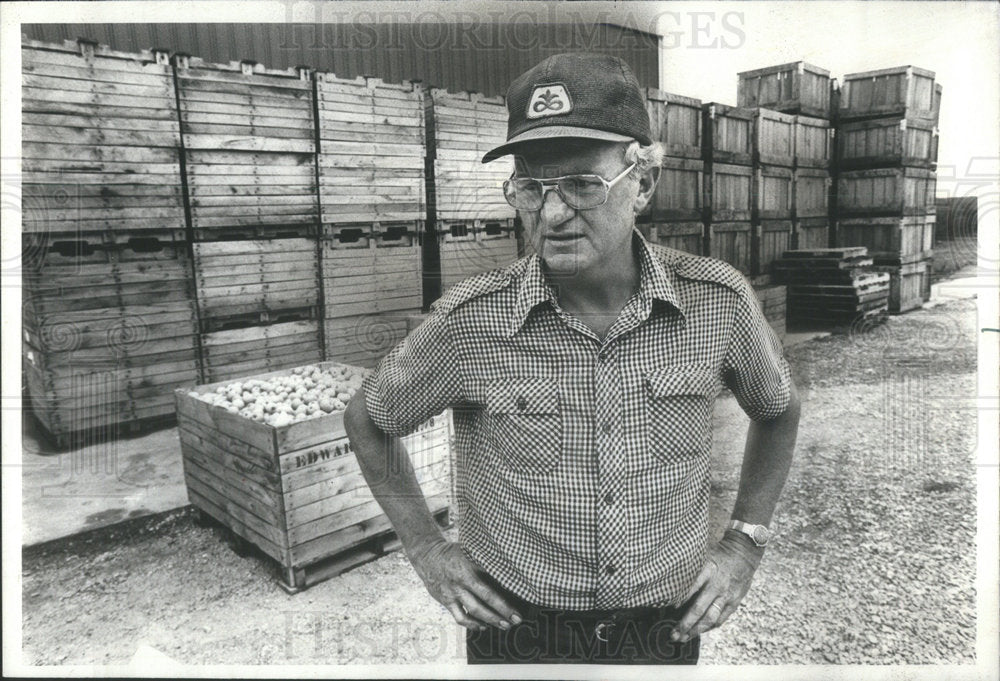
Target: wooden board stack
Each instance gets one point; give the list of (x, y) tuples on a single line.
[(109, 328), (676, 215), (887, 153), (473, 224), (296, 491), (833, 286), (372, 284), (772, 300)]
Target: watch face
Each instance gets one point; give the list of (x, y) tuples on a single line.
[(760, 535)]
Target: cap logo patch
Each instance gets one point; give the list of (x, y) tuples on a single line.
[(549, 100)]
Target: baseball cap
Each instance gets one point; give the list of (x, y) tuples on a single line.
[(576, 94)]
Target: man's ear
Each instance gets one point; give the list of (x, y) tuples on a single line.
[(647, 183)]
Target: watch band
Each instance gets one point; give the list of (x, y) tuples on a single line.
[(758, 534)]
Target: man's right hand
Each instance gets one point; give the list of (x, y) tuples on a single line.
[(454, 581)]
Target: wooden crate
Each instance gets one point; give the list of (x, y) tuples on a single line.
[(771, 238), (295, 491), (465, 250), (252, 347), (100, 139), (887, 142), (906, 285), (369, 268), (773, 303), (905, 91), (682, 236), (363, 340), (811, 233), (728, 134), (675, 122), (811, 193), (886, 191), (461, 128), (732, 242), (813, 142), (235, 277), (773, 138), (729, 192), (797, 88), (925, 279), (372, 150), (679, 192), (772, 192), (250, 147), (901, 240)]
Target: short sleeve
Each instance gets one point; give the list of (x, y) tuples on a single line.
[(418, 379), (755, 367)]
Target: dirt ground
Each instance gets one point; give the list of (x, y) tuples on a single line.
[(873, 561)]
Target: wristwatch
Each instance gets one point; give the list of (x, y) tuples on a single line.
[(758, 533)]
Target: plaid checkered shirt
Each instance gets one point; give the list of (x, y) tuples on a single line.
[(583, 464)]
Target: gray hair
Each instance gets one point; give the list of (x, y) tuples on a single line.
[(643, 156)]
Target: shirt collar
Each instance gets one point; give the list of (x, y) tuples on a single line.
[(655, 283)]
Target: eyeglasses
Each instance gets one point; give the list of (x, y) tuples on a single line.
[(577, 191)]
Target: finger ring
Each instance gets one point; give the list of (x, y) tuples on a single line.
[(715, 604)]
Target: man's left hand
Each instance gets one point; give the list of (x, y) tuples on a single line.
[(721, 585)]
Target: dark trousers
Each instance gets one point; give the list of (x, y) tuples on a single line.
[(552, 636)]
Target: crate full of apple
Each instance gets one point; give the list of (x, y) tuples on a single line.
[(267, 456)]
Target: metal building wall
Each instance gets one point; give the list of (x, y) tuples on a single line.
[(483, 57)]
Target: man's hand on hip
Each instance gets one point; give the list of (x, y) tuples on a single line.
[(721, 585), (453, 580)]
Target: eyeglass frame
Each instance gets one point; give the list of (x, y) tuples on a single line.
[(552, 183)]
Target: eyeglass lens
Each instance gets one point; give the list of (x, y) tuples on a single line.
[(578, 191)]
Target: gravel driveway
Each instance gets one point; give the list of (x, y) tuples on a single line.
[(873, 562)]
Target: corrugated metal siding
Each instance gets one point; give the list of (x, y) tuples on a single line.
[(482, 58)]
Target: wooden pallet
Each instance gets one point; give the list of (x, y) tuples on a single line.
[(372, 149), (296, 491), (100, 139)]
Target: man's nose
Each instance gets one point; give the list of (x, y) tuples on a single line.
[(554, 210)]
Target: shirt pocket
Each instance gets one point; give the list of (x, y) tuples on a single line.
[(679, 402), (525, 423)]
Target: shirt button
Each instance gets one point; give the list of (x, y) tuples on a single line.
[(606, 427), (522, 403), (609, 498), (610, 569)]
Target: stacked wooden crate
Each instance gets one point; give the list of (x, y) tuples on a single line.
[(249, 146), (295, 490), (372, 170), (807, 92), (109, 316), (676, 215), (473, 223), (886, 155), (727, 142)]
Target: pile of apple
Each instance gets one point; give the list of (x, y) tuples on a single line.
[(306, 392)]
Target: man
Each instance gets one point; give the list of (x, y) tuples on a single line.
[(583, 379)]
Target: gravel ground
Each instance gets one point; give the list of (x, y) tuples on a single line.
[(873, 563)]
